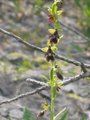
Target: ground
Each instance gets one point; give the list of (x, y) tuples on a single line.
[(17, 62)]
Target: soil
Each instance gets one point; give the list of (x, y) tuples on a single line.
[(28, 22)]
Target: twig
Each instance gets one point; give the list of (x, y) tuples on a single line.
[(40, 50), (36, 82), (23, 95), (20, 40), (74, 62), (75, 31), (76, 78), (66, 82)]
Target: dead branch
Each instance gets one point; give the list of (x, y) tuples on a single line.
[(23, 95), (65, 82), (36, 82), (76, 78), (77, 63), (44, 86), (73, 29)]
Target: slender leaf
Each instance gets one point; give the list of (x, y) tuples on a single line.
[(83, 117), (64, 116), (27, 115)]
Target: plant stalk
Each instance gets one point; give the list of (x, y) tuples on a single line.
[(52, 104)]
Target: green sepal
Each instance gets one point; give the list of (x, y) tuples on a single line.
[(45, 49), (59, 12), (54, 8), (50, 10)]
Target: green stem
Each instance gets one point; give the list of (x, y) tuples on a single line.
[(52, 103), (52, 90)]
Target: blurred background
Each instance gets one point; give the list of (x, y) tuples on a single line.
[(28, 19)]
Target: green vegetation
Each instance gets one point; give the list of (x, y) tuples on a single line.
[(27, 115), (23, 63), (84, 6)]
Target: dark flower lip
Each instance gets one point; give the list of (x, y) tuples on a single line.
[(56, 33), (53, 39), (59, 75), (50, 58), (49, 55)]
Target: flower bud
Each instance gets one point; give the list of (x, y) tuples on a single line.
[(41, 113)]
